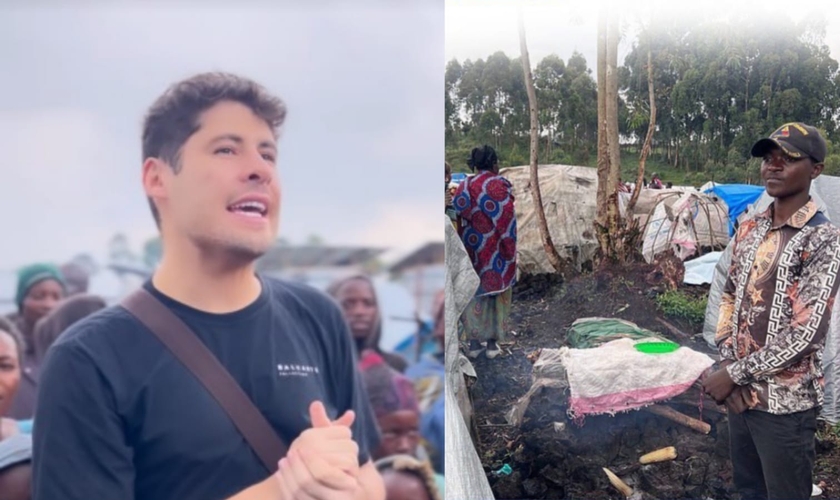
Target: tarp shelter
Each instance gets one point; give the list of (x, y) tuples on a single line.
[(738, 197), (465, 478), (684, 221), (569, 199), (825, 191), (701, 271), (459, 177)]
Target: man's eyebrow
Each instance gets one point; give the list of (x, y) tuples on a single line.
[(229, 137), (239, 140)]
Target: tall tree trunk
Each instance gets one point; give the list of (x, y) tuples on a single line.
[(607, 220), (548, 245), (617, 250), (648, 140), (747, 91), (677, 153), (603, 150), (769, 103)]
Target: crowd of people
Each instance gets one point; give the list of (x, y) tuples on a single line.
[(406, 398), (49, 300), (95, 405)]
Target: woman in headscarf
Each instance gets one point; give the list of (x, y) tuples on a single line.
[(62, 317), (656, 182), (11, 346), (394, 404), (40, 288), (407, 478), (484, 203), (357, 297)]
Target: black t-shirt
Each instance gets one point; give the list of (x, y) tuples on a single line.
[(119, 417)]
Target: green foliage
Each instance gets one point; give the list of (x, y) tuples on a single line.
[(827, 432), (152, 252), (719, 87), (832, 165), (679, 305)]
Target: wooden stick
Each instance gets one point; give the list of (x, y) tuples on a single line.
[(618, 483), (680, 418), (673, 329)]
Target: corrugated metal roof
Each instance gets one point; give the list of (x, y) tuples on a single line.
[(291, 257), (429, 254)]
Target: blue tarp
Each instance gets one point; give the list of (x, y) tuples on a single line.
[(737, 197), (459, 177)]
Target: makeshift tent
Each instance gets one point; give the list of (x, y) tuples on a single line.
[(464, 475), (569, 199), (737, 198), (683, 221), (825, 191)]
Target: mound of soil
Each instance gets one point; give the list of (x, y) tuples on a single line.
[(553, 457)]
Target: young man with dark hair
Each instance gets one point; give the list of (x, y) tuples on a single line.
[(774, 316), (122, 418)]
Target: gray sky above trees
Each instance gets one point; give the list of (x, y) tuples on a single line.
[(359, 156), (477, 28)]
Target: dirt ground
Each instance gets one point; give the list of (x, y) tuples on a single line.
[(549, 464)]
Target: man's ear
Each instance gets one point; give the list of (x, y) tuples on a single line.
[(153, 178), (817, 170)]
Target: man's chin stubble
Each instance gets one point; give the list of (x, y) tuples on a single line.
[(235, 251)]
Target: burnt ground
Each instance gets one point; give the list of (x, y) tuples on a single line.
[(568, 464)]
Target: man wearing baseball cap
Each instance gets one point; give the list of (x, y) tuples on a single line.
[(774, 315)]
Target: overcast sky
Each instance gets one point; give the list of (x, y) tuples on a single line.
[(359, 156), (478, 28)]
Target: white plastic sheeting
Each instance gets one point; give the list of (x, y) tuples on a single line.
[(701, 271), (684, 219), (825, 192), (683, 222), (569, 199), (465, 478)]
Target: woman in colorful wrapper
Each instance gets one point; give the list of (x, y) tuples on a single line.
[(485, 207)]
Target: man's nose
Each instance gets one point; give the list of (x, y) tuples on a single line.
[(259, 170), (404, 444)]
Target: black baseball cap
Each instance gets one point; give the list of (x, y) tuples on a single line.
[(796, 139)]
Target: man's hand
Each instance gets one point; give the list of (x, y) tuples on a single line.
[(322, 463), (303, 475), (742, 399), (719, 385), (332, 442)]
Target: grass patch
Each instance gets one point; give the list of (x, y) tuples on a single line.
[(827, 432), (679, 305)]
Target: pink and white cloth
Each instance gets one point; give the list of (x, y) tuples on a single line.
[(615, 377)]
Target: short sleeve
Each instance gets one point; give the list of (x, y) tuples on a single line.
[(79, 446)]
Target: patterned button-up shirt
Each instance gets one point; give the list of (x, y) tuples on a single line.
[(776, 307)]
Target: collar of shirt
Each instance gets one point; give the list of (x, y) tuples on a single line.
[(798, 220)]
